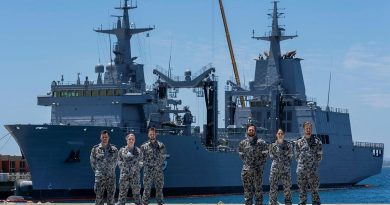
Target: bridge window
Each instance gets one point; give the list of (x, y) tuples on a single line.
[(95, 93), (110, 92), (87, 93), (102, 92)]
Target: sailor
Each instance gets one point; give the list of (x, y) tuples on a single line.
[(103, 160), (308, 152), (154, 154), (281, 153), (253, 152), (130, 163)]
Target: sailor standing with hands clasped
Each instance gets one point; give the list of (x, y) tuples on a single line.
[(130, 163), (281, 153)]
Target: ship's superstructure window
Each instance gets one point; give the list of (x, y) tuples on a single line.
[(287, 121), (12, 166), (88, 93), (259, 103), (21, 166), (95, 93), (102, 92), (377, 153), (110, 92)]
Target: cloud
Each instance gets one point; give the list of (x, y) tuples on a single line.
[(368, 66), (376, 100), (370, 56)]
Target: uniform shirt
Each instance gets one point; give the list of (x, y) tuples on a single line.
[(308, 153), (154, 154), (281, 155), (253, 152), (130, 160), (104, 159)]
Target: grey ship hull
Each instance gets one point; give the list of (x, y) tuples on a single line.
[(191, 168)]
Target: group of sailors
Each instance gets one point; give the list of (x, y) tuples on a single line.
[(254, 152), (150, 156)]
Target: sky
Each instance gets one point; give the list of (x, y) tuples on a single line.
[(42, 40)]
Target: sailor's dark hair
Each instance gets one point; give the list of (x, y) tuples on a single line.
[(104, 132), (277, 130), (128, 135), (250, 125), (307, 123), (152, 129)]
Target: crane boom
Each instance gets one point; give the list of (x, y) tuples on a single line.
[(236, 75)]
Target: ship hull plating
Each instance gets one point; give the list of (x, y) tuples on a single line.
[(190, 167)]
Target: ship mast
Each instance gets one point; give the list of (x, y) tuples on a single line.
[(275, 36), (273, 69), (122, 49)]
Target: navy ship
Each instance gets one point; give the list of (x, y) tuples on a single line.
[(200, 159)]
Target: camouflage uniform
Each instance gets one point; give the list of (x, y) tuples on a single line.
[(154, 155), (281, 155), (253, 152), (130, 162), (308, 153), (103, 162)]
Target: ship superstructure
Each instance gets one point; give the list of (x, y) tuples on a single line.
[(200, 159)]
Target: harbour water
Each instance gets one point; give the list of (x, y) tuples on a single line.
[(373, 190)]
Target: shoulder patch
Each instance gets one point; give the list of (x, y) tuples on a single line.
[(113, 146), (160, 144)]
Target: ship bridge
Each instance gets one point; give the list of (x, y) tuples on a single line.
[(118, 96)]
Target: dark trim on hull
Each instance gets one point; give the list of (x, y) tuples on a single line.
[(88, 194)]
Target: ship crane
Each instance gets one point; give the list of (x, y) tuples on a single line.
[(206, 81), (236, 75)]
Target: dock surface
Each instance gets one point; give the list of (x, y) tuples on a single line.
[(31, 203)]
